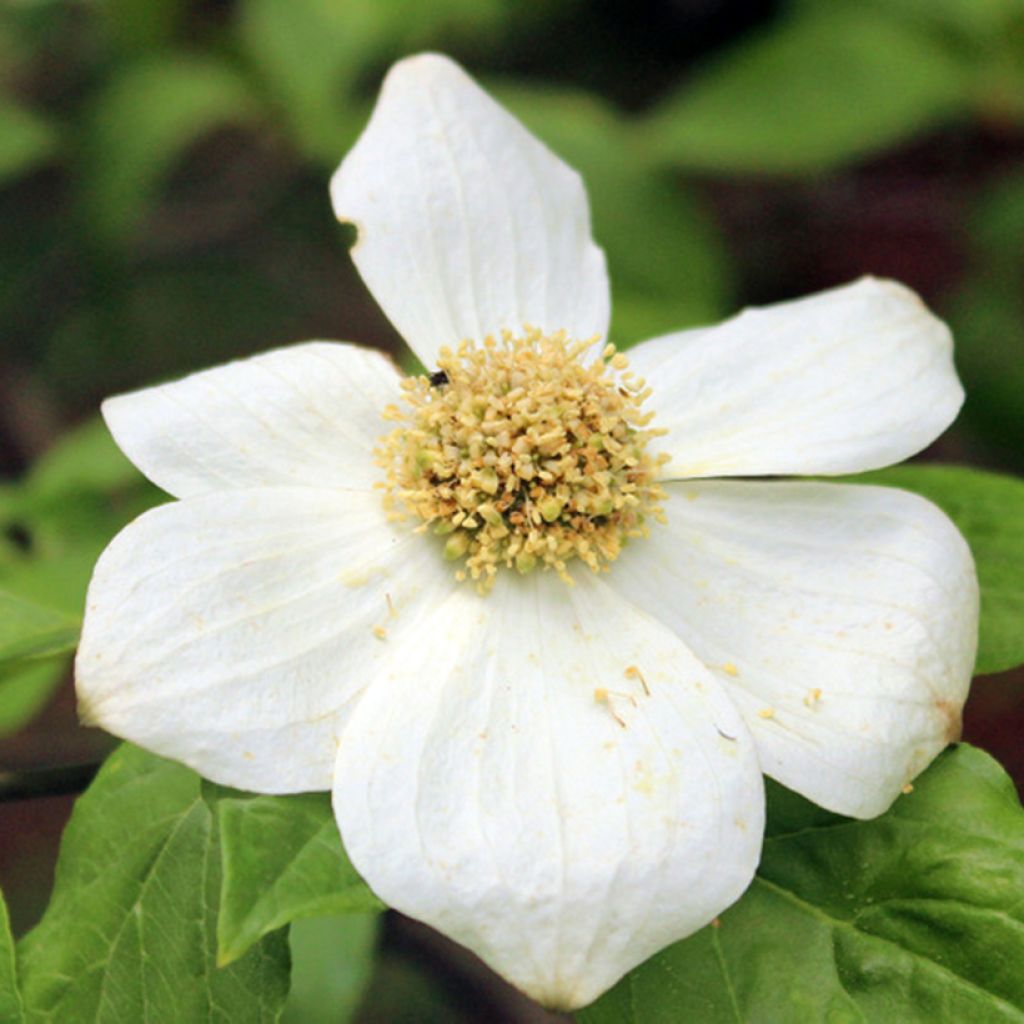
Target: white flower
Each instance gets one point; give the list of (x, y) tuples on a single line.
[(565, 778)]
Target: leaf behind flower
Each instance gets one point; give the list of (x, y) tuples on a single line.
[(282, 861), (130, 932)]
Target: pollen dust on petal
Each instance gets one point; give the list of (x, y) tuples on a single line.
[(606, 698), (632, 672)]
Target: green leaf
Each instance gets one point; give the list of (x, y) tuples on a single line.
[(996, 224), (915, 916), (29, 630), (332, 958), (26, 140), (282, 860), (308, 56), (141, 123), (130, 932), (11, 1011), (979, 20), (987, 317), (665, 258), (988, 509), (815, 91), (312, 57), (140, 25)]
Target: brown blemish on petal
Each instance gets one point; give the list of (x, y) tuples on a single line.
[(953, 719)]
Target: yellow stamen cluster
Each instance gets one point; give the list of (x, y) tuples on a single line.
[(522, 455)]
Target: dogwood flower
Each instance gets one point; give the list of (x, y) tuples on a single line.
[(538, 648)]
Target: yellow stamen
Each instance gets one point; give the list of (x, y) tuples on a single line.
[(632, 672), (525, 456), (813, 696)]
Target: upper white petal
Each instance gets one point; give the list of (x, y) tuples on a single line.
[(843, 620), (846, 380), (235, 631), (467, 224), (309, 414), (488, 786)]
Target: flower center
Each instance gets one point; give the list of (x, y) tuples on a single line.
[(523, 456)]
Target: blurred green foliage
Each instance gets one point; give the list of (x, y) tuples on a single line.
[(987, 314), (828, 87)]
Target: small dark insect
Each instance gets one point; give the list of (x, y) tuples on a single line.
[(437, 378)]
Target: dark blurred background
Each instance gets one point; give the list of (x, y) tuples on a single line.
[(163, 207)]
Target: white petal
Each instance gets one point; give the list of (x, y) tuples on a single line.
[(308, 415), (467, 224), (846, 380), (842, 618), (235, 631), (488, 786)]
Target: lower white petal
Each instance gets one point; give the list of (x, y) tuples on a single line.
[(842, 618), (552, 779), (235, 631)]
